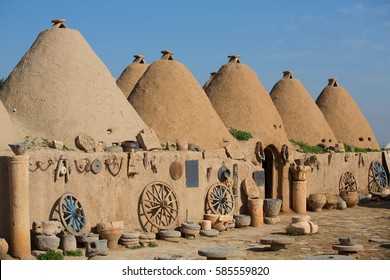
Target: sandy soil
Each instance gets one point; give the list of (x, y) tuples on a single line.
[(371, 220)]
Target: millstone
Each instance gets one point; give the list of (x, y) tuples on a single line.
[(209, 233), (169, 257), (170, 234)]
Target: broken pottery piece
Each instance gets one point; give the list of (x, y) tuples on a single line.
[(19, 148)]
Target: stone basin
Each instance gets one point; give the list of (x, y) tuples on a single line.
[(111, 231), (348, 241)]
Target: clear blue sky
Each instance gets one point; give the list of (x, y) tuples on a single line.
[(348, 40)]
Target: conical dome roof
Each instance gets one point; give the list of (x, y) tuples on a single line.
[(61, 89), (242, 102), (302, 119), (7, 135), (344, 117), (132, 74), (172, 102)]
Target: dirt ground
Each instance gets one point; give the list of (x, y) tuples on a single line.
[(365, 221)]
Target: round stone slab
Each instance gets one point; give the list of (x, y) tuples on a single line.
[(277, 243), (189, 231), (277, 240), (191, 225), (330, 257), (343, 248), (169, 257), (169, 234), (218, 253), (131, 234), (147, 235), (379, 240), (300, 219), (209, 233)]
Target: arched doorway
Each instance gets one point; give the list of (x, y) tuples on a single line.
[(269, 175)]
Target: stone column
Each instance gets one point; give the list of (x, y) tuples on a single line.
[(255, 207), (283, 180), (20, 245), (299, 188)]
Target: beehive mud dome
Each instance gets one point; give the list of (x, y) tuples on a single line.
[(84, 168)]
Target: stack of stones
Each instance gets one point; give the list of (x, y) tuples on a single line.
[(147, 238), (170, 235), (301, 225), (130, 239), (190, 229), (45, 236), (348, 247)]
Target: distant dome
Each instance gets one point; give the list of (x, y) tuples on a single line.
[(302, 119), (387, 146), (344, 117), (171, 101), (130, 76), (243, 103), (61, 89)]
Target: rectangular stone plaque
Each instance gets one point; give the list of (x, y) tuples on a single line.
[(259, 178), (192, 173)]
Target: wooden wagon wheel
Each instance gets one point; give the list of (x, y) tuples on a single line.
[(377, 177), (72, 214), (160, 205), (220, 199), (347, 182)]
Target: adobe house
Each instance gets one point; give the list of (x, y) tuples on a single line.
[(345, 117)]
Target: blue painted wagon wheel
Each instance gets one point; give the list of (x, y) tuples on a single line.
[(160, 205), (72, 214), (220, 199), (377, 177)]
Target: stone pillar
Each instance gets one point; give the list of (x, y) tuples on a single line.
[(299, 187), (20, 245), (256, 211), (283, 180), (299, 197)]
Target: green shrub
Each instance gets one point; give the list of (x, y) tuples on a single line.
[(50, 255), (75, 253), (240, 135), (309, 149), (349, 148), (152, 245)]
